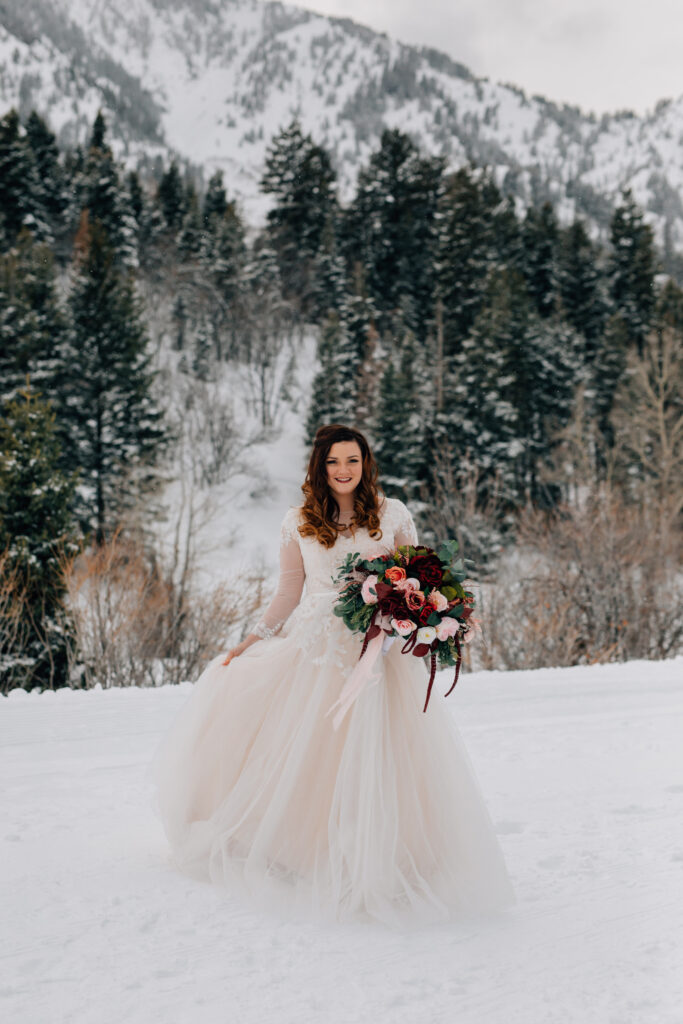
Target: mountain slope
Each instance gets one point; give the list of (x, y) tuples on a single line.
[(212, 81)]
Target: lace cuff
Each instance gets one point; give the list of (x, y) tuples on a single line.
[(264, 631)]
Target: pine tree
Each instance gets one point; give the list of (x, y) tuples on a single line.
[(360, 321), (329, 277), (399, 427), (669, 310), (215, 203), (223, 262), (632, 269), (539, 241), (31, 322), (53, 198), (605, 372), (105, 198), (137, 196), (579, 285), (98, 135), (547, 367), (300, 176), (171, 198), (201, 359), (507, 389), (333, 391), (179, 320), (149, 226), (112, 427), (391, 228), (467, 251), (20, 189), (191, 235), (35, 533)]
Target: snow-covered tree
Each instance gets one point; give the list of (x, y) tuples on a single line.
[(112, 427), (334, 386), (508, 389), (21, 193), (468, 250), (35, 533), (580, 285), (299, 174), (105, 198), (50, 173), (215, 203), (398, 430), (539, 247), (31, 322), (171, 198), (632, 269), (390, 229)]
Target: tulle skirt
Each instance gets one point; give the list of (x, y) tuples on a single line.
[(380, 820)]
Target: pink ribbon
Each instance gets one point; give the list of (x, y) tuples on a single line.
[(358, 679)]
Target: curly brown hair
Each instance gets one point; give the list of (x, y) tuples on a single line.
[(320, 508)]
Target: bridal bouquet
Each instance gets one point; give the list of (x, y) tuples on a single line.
[(415, 594)]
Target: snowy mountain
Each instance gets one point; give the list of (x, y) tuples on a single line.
[(213, 80)]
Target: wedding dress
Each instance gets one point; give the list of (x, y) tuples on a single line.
[(381, 818)]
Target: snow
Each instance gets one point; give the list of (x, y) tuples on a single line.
[(582, 770)]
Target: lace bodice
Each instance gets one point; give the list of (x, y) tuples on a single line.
[(303, 560)]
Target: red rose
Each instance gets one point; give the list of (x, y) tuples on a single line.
[(424, 614), (427, 568), (393, 604)]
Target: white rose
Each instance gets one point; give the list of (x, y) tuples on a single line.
[(426, 635)]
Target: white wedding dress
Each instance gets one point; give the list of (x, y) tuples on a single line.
[(380, 819)]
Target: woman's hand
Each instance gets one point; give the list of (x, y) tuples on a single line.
[(236, 651)]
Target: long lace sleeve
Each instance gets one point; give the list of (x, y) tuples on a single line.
[(290, 583), (405, 531)]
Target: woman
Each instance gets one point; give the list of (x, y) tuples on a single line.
[(380, 818)]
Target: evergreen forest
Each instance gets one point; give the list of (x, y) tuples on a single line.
[(517, 379)]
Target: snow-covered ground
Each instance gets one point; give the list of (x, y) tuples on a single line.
[(583, 773)]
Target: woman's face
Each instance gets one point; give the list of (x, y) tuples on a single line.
[(344, 468)]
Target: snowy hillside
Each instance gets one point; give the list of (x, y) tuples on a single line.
[(214, 81), (582, 770)]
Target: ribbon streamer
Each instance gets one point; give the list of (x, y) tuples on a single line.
[(457, 666), (358, 678), (432, 673)]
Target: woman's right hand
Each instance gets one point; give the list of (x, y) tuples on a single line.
[(236, 651)]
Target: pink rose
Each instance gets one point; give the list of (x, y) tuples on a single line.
[(404, 627), (368, 592), (447, 627), (438, 601), (414, 600), (395, 573), (409, 584)]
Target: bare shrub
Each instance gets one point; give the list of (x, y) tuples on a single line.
[(648, 422), (14, 624), (455, 504), (135, 627), (211, 447), (594, 581)]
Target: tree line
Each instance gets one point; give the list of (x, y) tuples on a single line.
[(452, 327)]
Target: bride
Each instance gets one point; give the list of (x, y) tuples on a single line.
[(380, 818)]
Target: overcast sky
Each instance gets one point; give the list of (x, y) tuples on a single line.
[(603, 55)]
